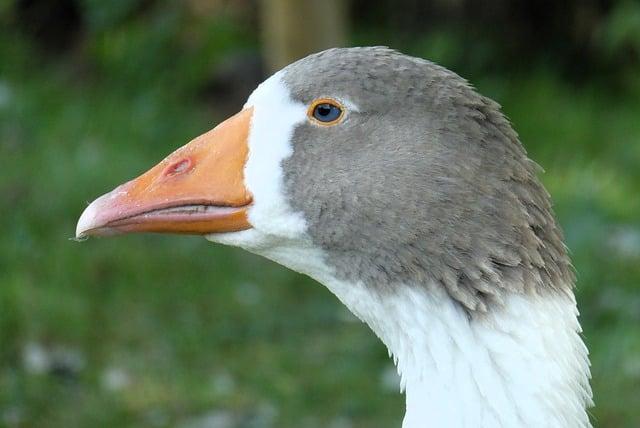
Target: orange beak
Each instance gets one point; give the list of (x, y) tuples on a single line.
[(198, 189)]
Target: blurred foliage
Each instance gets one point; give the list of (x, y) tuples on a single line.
[(620, 33), (174, 331)]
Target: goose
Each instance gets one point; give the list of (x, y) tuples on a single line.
[(392, 182)]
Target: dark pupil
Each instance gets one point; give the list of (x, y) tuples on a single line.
[(326, 112)]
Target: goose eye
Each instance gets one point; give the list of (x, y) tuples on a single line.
[(327, 112)]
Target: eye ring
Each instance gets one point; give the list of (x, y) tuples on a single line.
[(326, 112)]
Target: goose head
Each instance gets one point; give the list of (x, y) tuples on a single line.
[(392, 182)]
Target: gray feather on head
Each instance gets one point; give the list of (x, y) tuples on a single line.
[(426, 182)]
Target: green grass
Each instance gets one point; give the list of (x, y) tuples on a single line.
[(194, 328)]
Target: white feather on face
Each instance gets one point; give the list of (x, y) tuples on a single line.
[(274, 119), (278, 232), (275, 116)]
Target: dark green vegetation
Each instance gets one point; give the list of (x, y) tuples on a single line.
[(165, 331)]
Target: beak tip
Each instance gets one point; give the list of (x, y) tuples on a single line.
[(85, 222), (88, 220)]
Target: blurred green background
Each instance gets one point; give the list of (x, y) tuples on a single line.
[(175, 331)]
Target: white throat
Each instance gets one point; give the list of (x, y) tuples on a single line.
[(522, 365)]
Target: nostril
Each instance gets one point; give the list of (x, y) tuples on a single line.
[(179, 167)]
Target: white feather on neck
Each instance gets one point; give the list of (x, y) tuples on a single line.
[(520, 365)]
